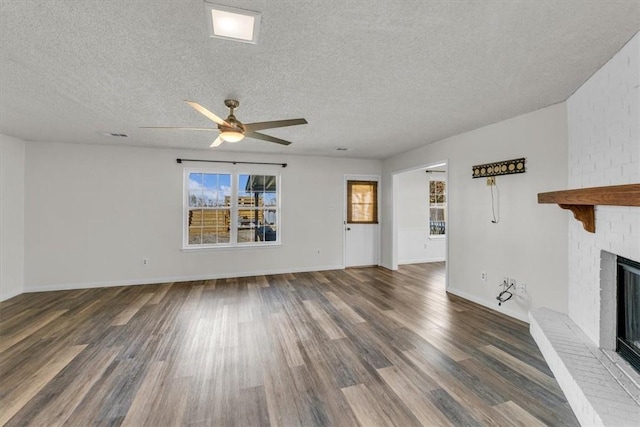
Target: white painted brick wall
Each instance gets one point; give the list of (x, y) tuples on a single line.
[(604, 149)]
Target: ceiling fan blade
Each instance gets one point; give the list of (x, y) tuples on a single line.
[(250, 127), (217, 142), (178, 128), (264, 137), (208, 114)]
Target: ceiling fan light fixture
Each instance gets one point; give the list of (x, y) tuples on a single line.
[(232, 24), (231, 136)]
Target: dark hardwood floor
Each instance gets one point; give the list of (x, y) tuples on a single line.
[(351, 347)]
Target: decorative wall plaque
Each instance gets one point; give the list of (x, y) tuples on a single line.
[(505, 167)]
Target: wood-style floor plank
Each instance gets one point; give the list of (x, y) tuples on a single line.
[(518, 416), (131, 310), (288, 339), (139, 411), (329, 327), (476, 402), (519, 366), (160, 293), (57, 410), (343, 308), (13, 400), (9, 340), (417, 402), (365, 346), (365, 406)]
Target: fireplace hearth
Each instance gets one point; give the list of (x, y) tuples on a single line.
[(628, 311)]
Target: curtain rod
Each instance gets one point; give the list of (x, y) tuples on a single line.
[(233, 162)]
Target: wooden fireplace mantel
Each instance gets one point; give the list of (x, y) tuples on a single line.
[(582, 200)]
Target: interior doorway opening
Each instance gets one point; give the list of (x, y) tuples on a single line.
[(420, 227)]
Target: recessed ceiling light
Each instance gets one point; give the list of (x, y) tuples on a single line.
[(232, 24)]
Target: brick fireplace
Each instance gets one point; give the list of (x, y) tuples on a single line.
[(602, 388), (604, 149), (628, 311)]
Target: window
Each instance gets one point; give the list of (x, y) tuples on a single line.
[(437, 207), (257, 208), (209, 208), (230, 209), (362, 202)]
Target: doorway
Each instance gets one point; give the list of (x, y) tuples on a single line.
[(361, 220), (420, 215)]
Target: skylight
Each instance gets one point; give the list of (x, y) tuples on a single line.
[(232, 24)]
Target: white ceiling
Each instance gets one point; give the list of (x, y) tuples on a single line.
[(377, 76)]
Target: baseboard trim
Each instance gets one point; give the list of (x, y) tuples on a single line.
[(387, 266), (421, 260), (491, 305), (157, 280), (9, 296)]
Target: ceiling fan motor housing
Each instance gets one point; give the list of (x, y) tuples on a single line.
[(232, 104), (236, 125), (235, 132)]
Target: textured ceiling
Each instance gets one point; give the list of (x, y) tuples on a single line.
[(378, 76)]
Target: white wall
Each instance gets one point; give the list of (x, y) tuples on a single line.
[(95, 211), (530, 242), (414, 243), (12, 164), (604, 149)]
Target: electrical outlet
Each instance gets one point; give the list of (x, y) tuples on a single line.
[(145, 261), (522, 289), (483, 276), (491, 180)]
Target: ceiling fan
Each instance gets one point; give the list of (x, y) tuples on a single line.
[(231, 129)]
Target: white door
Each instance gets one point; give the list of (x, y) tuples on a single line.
[(361, 223)]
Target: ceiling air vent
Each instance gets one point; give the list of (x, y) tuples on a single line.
[(117, 135)]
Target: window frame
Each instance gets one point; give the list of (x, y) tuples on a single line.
[(350, 183), (233, 208), (434, 205)]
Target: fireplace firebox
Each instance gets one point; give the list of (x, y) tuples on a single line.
[(628, 330)]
